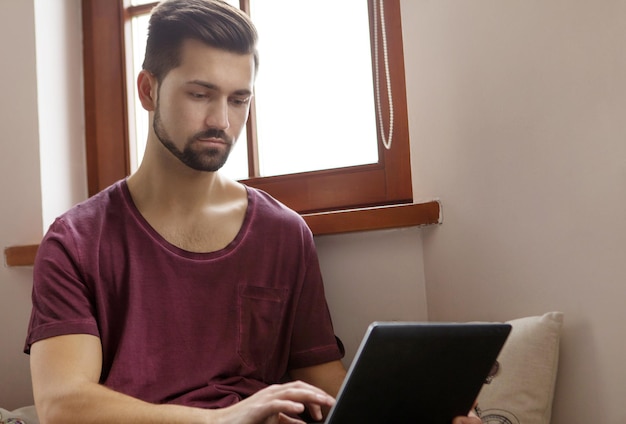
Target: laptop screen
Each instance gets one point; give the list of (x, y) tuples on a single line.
[(410, 372)]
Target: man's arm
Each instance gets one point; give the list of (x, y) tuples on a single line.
[(472, 418), (66, 369), (65, 372), (328, 376)]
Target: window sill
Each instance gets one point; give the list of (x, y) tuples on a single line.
[(375, 218), (20, 255), (323, 223)]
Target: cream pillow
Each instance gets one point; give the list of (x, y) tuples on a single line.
[(26, 415), (523, 388)]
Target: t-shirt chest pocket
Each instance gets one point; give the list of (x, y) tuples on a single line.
[(261, 311)]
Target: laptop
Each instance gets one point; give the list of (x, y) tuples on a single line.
[(411, 372)]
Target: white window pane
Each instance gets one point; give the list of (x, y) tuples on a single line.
[(236, 167), (138, 119), (314, 95), (140, 2)]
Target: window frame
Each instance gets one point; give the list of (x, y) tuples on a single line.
[(107, 138)]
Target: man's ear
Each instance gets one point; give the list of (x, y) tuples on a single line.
[(147, 88)]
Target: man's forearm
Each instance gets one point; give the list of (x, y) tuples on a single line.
[(93, 403)]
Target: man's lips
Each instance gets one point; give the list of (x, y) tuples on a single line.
[(213, 136), (212, 140)]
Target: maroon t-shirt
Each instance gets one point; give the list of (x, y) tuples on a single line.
[(198, 329)]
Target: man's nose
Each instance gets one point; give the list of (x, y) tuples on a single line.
[(217, 116)]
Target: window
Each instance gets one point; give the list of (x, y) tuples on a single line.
[(383, 178)]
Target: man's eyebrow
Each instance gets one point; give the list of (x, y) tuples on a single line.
[(211, 86)]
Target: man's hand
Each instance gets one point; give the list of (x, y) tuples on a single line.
[(278, 404), (472, 418)]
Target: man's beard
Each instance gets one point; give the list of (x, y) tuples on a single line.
[(204, 159)]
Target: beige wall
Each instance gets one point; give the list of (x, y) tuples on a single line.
[(41, 117), (518, 124), (20, 207), (372, 276)]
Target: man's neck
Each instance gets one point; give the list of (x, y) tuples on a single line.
[(186, 188), (196, 211)]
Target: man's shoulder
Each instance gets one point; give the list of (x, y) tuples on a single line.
[(96, 207), (82, 229), (277, 219), (269, 205)]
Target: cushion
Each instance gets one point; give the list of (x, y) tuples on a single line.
[(522, 389), (26, 415)]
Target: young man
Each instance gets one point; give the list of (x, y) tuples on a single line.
[(178, 295)]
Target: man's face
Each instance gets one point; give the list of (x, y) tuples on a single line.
[(203, 105)]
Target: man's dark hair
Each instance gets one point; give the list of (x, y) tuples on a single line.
[(213, 22)]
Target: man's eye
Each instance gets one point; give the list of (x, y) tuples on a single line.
[(240, 102), (198, 95)]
